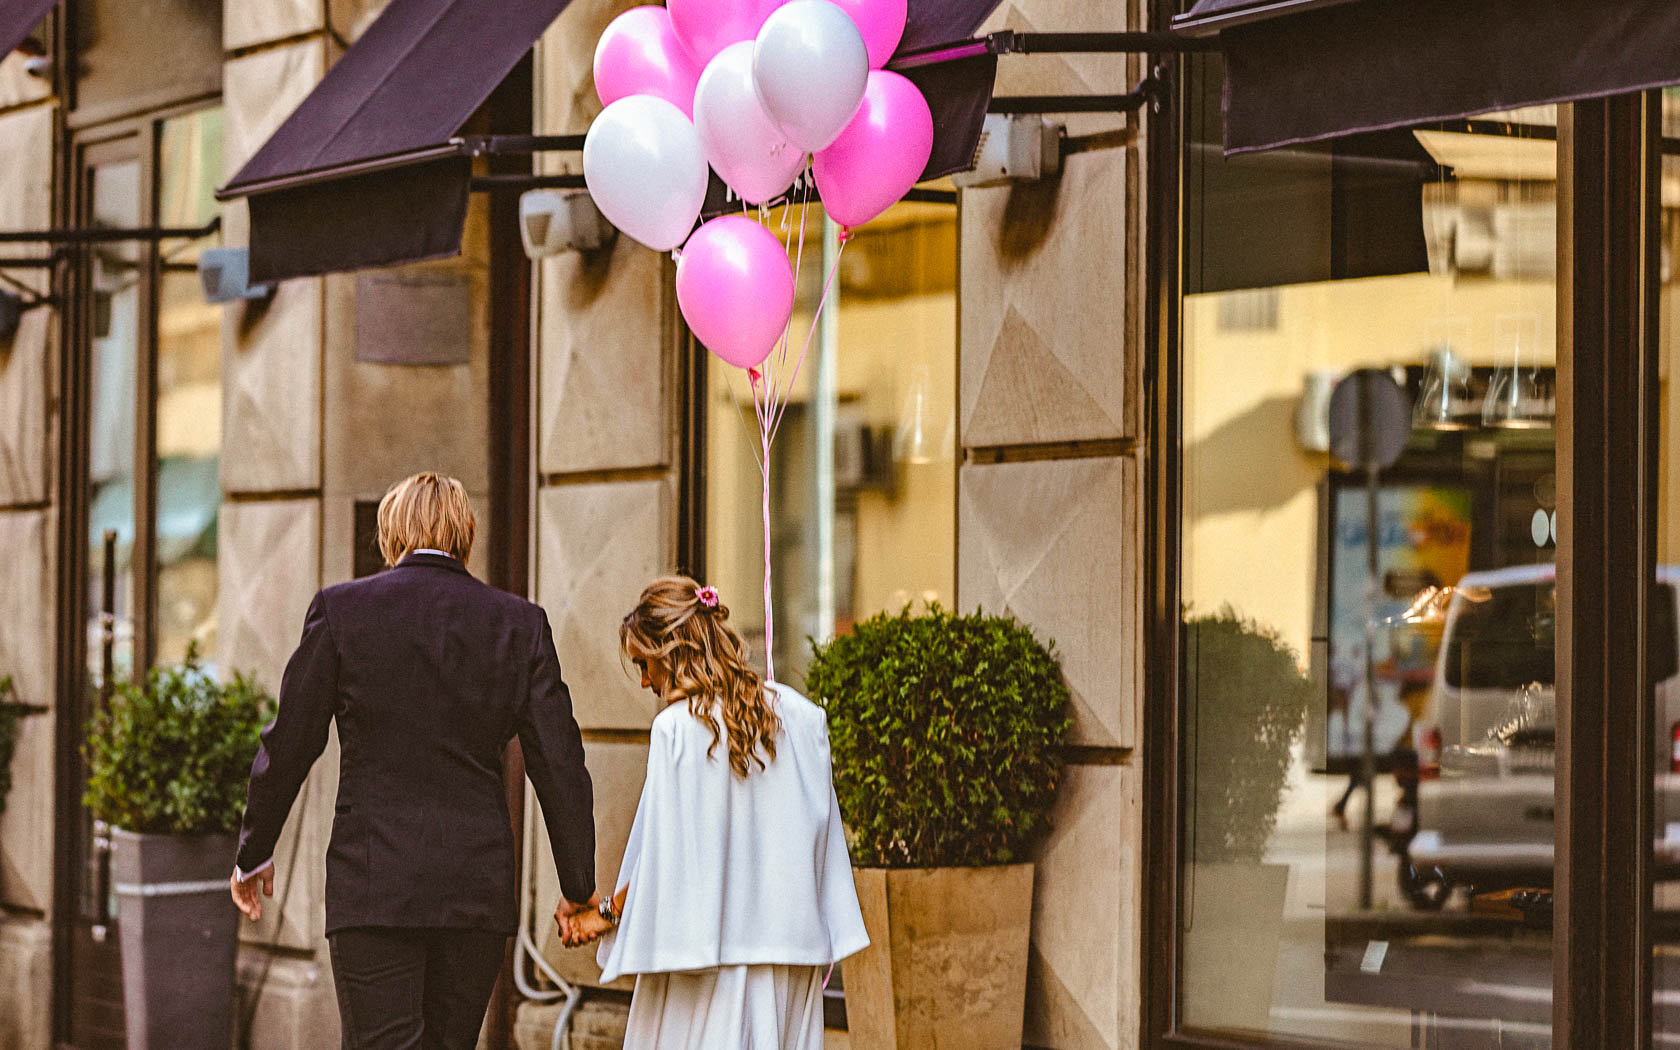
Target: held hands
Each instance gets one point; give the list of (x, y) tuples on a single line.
[(580, 924), (248, 895)]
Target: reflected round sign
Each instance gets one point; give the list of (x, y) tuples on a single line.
[(1370, 420)]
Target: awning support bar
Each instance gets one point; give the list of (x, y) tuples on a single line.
[(1009, 42), (69, 236), (1149, 89)]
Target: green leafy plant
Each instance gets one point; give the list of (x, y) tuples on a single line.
[(1248, 699), (171, 755), (944, 731)]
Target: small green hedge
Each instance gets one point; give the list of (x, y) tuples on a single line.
[(172, 755), (944, 731)]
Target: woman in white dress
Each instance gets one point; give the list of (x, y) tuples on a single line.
[(736, 895)]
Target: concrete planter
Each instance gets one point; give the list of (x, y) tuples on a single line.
[(179, 933), (946, 967)]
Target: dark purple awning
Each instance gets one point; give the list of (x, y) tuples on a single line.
[(17, 18), (367, 170), (1303, 71), (364, 172)]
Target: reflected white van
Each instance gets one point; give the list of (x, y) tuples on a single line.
[(1487, 750)]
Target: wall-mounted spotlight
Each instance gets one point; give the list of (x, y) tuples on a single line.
[(225, 276), (1014, 147), (554, 221)]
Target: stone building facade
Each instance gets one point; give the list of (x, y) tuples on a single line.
[(1046, 524)]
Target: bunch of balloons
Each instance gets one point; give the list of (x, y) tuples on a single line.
[(749, 88)]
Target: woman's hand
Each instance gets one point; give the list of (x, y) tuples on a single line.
[(248, 895)]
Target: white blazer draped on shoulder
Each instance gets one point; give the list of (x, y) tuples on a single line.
[(730, 871)]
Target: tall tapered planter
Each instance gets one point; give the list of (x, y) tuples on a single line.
[(179, 933), (946, 966)]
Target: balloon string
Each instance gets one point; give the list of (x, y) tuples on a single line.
[(816, 315), (780, 396)]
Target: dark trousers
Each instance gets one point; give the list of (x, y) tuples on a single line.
[(414, 989)]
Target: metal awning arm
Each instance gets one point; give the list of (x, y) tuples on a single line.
[(1009, 42), (97, 235)]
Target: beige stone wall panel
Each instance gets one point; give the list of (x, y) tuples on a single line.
[(26, 143), (260, 90), (295, 1006), (1047, 350), (248, 23), (26, 654), (566, 100), (1083, 969), (25, 983), (18, 88), (1072, 74), (271, 390), (599, 544), (617, 769), (26, 367), (387, 421), (1057, 544), (607, 329)]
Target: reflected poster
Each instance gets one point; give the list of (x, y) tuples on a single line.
[(1423, 541)]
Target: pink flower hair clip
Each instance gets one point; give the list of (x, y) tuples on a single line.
[(708, 596)]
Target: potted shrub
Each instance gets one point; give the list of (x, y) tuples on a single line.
[(1250, 699), (944, 731), (167, 766)]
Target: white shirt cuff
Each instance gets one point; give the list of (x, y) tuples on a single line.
[(246, 876)]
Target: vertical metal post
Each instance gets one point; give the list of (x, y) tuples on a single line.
[(825, 400), (107, 672), (1373, 523)]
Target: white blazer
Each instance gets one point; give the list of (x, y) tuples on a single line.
[(731, 871)]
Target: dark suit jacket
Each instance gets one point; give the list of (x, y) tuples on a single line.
[(429, 673)]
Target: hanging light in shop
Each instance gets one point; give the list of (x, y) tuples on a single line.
[(915, 441), (1444, 401), (1514, 399)]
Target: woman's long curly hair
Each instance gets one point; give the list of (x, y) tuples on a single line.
[(705, 660)]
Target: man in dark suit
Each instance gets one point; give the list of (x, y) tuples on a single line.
[(428, 673)]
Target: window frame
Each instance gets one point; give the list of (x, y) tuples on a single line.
[(1609, 178)]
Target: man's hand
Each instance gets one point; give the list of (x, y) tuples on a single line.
[(583, 928), (248, 895), (567, 911)]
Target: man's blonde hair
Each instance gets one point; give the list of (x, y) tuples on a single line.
[(426, 510)]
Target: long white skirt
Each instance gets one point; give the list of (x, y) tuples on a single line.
[(731, 1008)]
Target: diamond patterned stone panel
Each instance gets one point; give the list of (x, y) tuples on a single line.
[(1053, 74), (26, 654), (1049, 326), (617, 769), (247, 23), (599, 544), (1057, 544), (260, 90), (26, 141), (271, 390), (25, 389), (607, 340), (1083, 965), (566, 101)]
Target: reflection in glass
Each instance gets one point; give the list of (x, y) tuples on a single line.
[(1454, 949), (1514, 398), (189, 394), (1444, 401), (863, 518)]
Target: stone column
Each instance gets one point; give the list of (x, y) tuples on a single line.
[(1049, 494), (270, 539), (28, 523), (607, 491)]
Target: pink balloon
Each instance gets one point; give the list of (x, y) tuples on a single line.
[(735, 288), (639, 54), (708, 26), (881, 22), (880, 155)]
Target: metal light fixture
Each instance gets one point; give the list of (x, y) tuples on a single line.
[(1514, 400), (1444, 401)]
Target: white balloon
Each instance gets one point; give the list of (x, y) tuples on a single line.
[(644, 167), (810, 65), (740, 140)]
